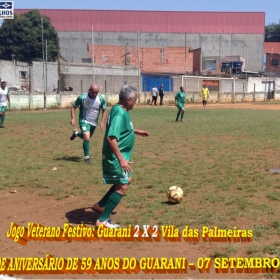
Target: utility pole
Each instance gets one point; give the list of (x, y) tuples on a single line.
[(220, 56), (43, 64), (185, 53), (92, 47), (219, 91), (45, 100), (139, 68)]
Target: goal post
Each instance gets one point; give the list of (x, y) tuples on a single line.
[(221, 89)]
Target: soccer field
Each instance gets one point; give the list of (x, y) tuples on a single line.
[(220, 157)]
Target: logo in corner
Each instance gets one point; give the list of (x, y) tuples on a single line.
[(7, 10)]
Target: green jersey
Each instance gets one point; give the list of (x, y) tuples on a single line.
[(119, 125), (180, 97), (90, 108)]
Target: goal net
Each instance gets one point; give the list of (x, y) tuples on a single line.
[(221, 89)]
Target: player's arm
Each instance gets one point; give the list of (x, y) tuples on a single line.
[(72, 113), (104, 113), (9, 100), (141, 132), (124, 164), (76, 104), (103, 119)]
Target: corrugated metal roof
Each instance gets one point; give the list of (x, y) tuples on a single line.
[(271, 47), (155, 21)]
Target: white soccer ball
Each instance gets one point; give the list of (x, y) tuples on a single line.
[(174, 194)]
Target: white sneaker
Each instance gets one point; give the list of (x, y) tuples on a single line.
[(107, 223)]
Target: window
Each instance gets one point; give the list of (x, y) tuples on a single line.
[(274, 61), (210, 65), (23, 74)]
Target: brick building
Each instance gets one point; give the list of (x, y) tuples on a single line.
[(166, 60), (272, 57)]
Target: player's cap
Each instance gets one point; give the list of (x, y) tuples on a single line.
[(3, 82)]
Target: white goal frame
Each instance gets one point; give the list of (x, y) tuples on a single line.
[(203, 78)]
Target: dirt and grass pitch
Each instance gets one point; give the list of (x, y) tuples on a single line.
[(221, 157)]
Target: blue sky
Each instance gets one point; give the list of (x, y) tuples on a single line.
[(270, 7)]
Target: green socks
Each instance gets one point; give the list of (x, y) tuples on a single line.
[(113, 200), (105, 198), (2, 119), (86, 148), (182, 115)]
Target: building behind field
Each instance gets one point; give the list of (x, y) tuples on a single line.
[(31, 85), (272, 58), (146, 48), (216, 34)]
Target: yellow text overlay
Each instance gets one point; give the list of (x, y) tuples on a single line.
[(180, 265), (146, 233)]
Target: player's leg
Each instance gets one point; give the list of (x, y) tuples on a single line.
[(85, 130), (112, 202), (2, 116), (113, 199), (86, 137), (99, 206), (182, 114), (180, 108), (92, 129), (76, 134), (178, 115)]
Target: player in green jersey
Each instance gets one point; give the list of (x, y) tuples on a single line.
[(90, 104), (4, 97), (180, 100), (116, 154)]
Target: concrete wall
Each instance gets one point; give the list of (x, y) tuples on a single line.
[(38, 75), (73, 45), (10, 72), (109, 78), (50, 76)]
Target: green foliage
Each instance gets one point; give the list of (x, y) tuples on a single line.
[(272, 32), (22, 38)]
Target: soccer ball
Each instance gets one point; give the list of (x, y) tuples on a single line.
[(174, 194)]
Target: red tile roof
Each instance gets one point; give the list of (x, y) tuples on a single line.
[(155, 21), (271, 47)]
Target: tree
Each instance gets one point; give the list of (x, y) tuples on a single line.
[(21, 38), (272, 32)]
